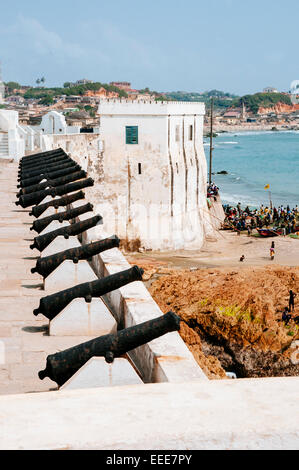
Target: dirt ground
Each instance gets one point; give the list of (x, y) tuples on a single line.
[(231, 310)]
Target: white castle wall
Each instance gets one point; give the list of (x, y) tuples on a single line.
[(164, 206)]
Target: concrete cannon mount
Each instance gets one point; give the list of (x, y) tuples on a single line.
[(188, 412)]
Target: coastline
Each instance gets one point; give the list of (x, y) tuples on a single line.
[(233, 128)]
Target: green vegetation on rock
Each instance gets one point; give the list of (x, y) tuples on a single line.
[(264, 100)]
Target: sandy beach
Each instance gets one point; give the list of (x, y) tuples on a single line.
[(225, 251)]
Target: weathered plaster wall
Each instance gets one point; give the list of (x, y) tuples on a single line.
[(155, 190)]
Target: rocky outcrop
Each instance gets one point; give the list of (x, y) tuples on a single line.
[(279, 108), (234, 316)]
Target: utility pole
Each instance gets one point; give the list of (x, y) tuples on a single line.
[(211, 141)]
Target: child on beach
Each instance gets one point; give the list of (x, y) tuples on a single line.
[(272, 252)]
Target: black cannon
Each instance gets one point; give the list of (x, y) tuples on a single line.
[(41, 166), (48, 175), (38, 155), (63, 201), (53, 183), (40, 224), (51, 305), (42, 241), (63, 365), (35, 198), (45, 266), (41, 159), (36, 161), (59, 166), (53, 167)]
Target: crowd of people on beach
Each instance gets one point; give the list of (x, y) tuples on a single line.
[(282, 218), (212, 190)]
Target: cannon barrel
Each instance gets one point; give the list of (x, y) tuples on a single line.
[(42, 241), (63, 201), (45, 164), (40, 224), (63, 365), (60, 166), (45, 266), (48, 175), (51, 305), (42, 159), (40, 155), (53, 182), (54, 167), (35, 198)]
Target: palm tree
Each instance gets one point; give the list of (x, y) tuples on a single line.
[(43, 80), (37, 81)]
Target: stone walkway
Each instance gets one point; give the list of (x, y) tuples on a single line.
[(24, 340)]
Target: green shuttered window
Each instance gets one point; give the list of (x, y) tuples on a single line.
[(131, 134)]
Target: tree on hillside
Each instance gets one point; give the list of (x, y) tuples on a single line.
[(66, 84), (12, 86), (47, 100)]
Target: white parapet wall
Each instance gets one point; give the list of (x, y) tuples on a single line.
[(165, 359), (249, 414), (15, 137)]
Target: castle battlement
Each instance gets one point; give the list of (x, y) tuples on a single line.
[(140, 107)]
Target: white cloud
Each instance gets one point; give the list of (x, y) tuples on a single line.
[(30, 34)]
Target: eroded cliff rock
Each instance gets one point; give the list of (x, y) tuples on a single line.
[(232, 318)]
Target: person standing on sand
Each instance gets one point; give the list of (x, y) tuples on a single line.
[(292, 301), (239, 208), (272, 252), (286, 317)]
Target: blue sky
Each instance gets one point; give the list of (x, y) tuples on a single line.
[(190, 45)]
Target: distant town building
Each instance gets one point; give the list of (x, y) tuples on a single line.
[(233, 115), (83, 81), (126, 86), (270, 89)]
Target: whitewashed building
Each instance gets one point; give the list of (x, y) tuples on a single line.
[(149, 167), (154, 172)]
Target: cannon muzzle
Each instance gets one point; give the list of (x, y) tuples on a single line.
[(51, 305), (42, 241), (61, 366), (63, 201), (45, 266)]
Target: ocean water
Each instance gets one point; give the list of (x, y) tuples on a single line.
[(253, 160)]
